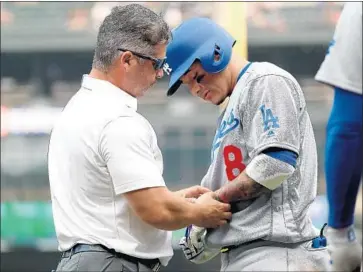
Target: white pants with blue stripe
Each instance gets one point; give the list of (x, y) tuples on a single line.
[(272, 256)]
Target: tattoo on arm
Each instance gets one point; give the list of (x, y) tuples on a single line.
[(241, 188)]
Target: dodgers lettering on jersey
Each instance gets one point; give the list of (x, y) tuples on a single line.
[(342, 66), (266, 109)]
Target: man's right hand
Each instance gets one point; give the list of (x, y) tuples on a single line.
[(212, 212)]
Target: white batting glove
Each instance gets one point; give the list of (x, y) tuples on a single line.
[(193, 245)]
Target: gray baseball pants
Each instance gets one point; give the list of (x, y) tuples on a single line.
[(99, 260), (271, 256)]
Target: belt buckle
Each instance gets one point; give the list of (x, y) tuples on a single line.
[(156, 267)]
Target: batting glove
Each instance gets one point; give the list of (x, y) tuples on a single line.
[(193, 245)]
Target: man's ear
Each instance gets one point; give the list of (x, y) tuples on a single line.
[(125, 60)]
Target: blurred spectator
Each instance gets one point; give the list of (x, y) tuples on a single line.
[(173, 14), (7, 16), (27, 3), (77, 19), (197, 9), (176, 12), (157, 7), (100, 10), (266, 15), (331, 11)]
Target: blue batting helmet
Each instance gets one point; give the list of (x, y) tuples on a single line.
[(197, 39)]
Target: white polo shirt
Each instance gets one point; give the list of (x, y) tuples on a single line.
[(100, 148)]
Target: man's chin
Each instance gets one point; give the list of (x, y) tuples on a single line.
[(140, 93), (143, 91)]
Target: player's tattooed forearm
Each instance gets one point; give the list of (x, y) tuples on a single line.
[(242, 188)]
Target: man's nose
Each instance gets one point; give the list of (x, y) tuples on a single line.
[(159, 73)]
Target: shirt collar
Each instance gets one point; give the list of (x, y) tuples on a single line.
[(103, 86)]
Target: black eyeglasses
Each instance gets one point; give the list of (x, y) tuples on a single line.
[(157, 63)]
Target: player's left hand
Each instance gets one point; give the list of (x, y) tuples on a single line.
[(193, 246), (193, 192)]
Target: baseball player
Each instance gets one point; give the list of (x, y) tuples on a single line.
[(342, 69), (263, 157), (111, 208)]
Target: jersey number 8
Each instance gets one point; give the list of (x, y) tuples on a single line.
[(233, 160)]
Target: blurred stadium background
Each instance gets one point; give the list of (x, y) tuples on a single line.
[(47, 46)]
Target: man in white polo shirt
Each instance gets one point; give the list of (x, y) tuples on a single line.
[(111, 208)]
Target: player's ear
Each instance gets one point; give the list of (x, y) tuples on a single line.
[(126, 60)]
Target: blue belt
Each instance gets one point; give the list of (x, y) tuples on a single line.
[(231, 247), (153, 264), (317, 242)]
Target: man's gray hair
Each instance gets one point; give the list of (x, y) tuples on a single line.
[(133, 27)]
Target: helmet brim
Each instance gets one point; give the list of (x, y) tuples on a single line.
[(175, 82)]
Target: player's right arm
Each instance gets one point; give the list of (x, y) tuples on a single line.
[(125, 146)]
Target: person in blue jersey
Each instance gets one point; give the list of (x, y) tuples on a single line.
[(342, 70)]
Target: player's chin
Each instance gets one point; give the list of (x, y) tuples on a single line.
[(212, 99), (219, 101)]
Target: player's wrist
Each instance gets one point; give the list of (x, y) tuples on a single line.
[(219, 197)]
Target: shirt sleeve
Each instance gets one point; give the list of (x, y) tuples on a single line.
[(126, 146), (342, 65), (271, 118)]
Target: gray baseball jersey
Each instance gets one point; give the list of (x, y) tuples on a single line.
[(342, 66), (266, 109)]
